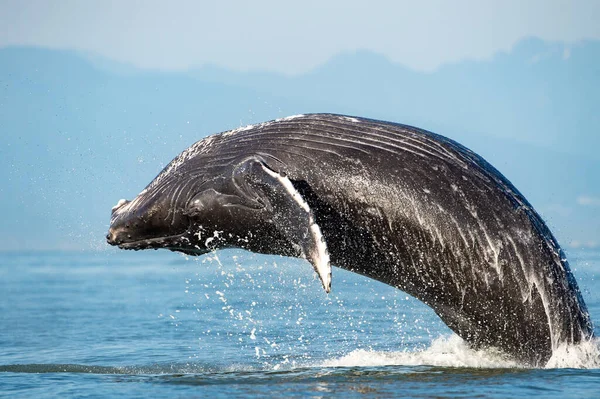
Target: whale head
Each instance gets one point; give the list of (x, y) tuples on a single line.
[(195, 205), (171, 211), (151, 220)]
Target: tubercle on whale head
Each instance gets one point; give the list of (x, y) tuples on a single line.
[(182, 213), (207, 221), (159, 217), (145, 223)]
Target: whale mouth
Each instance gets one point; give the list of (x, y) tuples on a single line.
[(156, 243)]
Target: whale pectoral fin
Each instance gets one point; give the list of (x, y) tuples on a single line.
[(290, 212)]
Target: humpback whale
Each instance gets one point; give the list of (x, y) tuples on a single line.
[(410, 208)]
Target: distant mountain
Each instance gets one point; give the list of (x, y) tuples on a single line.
[(543, 94), (78, 133), (75, 139)]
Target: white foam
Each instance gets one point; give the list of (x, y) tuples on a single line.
[(449, 351), (238, 130), (121, 202), (585, 355), (289, 118), (259, 125), (452, 351)]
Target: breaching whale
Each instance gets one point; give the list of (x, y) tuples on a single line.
[(395, 203)]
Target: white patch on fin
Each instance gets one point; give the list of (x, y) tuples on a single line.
[(320, 256), (289, 187), (321, 260)]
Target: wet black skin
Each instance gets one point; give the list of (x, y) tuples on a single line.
[(407, 207), (241, 218)]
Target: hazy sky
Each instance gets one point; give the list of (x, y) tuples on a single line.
[(291, 37)]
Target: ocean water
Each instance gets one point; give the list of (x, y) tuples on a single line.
[(234, 324)]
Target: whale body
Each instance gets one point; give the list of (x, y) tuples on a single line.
[(395, 203)]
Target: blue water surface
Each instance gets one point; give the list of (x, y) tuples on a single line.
[(159, 324)]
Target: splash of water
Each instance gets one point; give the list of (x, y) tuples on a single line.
[(452, 351), (585, 355)]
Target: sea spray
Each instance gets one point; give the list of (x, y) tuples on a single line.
[(452, 351)]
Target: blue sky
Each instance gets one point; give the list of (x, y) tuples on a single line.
[(85, 122), (292, 37)]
